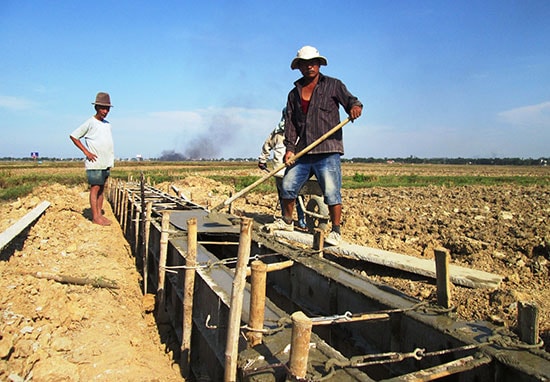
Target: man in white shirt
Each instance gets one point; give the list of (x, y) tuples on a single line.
[(275, 143), (99, 153)]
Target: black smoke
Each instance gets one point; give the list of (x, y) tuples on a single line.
[(208, 144)]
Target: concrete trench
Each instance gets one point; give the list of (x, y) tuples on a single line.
[(414, 341)]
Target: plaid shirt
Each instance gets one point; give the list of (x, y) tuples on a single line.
[(322, 115)]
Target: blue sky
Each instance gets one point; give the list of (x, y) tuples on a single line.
[(437, 78)]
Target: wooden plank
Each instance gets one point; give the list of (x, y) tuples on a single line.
[(9, 234), (471, 278)]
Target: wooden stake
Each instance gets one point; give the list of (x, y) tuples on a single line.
[(124, 217), (136, 212), (528, 322), (299, 348), (146, 230), (114, 202), (108, 191), (257, 302), (235, 310), (162, 260), (142, 230), (188, 295), (117, 193), (318, 241), (138, 230), (273, 266), (442, 258), (120, 201)]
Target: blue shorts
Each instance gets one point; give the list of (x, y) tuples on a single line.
[(325, 167), (97, 177)]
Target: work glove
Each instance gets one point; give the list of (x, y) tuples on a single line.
[(262, 166)]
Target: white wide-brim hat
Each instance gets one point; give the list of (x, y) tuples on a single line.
[(307, 53)]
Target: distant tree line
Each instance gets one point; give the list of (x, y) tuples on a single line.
[(462, 161), (171, 156)]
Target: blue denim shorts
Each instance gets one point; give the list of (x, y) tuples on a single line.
[(97, 177), (327, 170)]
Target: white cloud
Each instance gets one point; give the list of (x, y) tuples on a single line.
[(14, 103), (529, 116)]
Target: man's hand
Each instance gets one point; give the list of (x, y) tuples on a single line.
[(90, 156), (262, 166), (288, 158), (355, 112)]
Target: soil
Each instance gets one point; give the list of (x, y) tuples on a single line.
[(54, 331)]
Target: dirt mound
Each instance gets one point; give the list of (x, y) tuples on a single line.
[(53, 331)]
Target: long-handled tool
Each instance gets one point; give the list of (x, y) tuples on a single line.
[(244, 191)]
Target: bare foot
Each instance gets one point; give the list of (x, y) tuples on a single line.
[(102, 221)]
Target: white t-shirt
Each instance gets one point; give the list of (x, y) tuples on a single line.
[(99, 141)]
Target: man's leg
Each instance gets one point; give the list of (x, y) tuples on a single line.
[(100, 198), (300, 212), (96, 205), (94, 190), (335, 212), (288, 208), (291, 184), (329, 175), (293, 181), (334, 237), (279, 184)]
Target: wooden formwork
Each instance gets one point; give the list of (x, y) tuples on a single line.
[(409, 340)]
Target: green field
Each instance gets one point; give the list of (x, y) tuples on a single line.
[(19, 178)]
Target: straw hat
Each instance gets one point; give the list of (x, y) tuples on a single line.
[(102, 99), (307, 53)]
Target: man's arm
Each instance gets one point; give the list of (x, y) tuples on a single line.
[(89, 155), (351, 104), (266, 152)]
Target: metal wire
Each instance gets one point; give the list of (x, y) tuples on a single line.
[(212, 264)]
